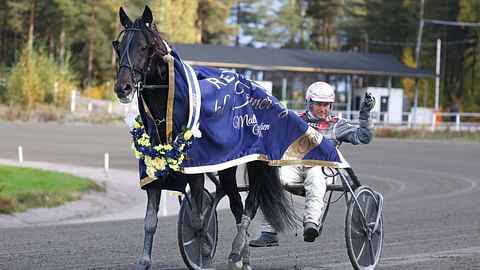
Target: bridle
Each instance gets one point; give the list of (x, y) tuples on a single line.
[(126, 62)]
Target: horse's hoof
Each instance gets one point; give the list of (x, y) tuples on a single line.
[(205, 249), (235, 262), (207, 263), (144, 264), (246, 267)]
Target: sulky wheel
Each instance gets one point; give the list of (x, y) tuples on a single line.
[(364, 241), (189, 240)]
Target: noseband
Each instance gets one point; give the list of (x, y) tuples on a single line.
[(138, 84)]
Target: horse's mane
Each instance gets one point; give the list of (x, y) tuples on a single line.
[(153, 36)]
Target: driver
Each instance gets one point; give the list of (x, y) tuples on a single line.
[(319, 97)]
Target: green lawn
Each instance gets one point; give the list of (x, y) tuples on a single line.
[(24, 188)]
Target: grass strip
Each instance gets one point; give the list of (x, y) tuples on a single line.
[(23, 188)]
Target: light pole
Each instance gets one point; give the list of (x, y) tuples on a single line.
[(417, 62)]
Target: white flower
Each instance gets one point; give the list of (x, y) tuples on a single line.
[(196, 130), (130, 119)]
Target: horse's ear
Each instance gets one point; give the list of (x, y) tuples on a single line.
[(147, 15), (124, 19)]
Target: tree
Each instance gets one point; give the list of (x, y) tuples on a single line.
[(469, 12), (91, 43), (266, 25), (212, 27), (322, 15), (176, 19)]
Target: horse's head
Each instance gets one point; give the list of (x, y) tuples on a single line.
[(136, 46)]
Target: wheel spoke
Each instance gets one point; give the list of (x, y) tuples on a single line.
[(360, 253), (367, 208), (357, 220), (209, 239), (200, 257), (188, 243), (372, 251), (205, 211), (371, 208), (357, 234)]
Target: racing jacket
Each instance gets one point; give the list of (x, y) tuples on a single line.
[(338, 130)]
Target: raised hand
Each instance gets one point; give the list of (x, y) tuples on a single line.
[(368, 102)]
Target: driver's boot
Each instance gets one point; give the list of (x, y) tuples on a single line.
[(310, 231), (266, 239)]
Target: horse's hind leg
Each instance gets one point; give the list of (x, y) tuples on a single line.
[(240, 255), (235, 260), (251, 205), (154, 193), (228, 182)]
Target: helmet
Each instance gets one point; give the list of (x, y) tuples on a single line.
[(320, 91)]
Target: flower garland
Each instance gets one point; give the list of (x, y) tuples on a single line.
[(162, 158)]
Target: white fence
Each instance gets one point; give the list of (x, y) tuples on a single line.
[(82, 106), (439, 121), (463, 121)]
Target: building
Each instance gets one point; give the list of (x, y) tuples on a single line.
[(292, 70)]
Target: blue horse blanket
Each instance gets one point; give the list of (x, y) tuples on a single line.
[(234, 120)]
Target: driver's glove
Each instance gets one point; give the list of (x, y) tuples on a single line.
[(365, 108), (368, 103)]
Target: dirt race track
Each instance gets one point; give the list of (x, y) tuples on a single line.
[(431, 211)]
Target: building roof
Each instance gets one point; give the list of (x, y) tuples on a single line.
[(268, 59)]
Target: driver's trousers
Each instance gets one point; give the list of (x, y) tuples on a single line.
[(315, 183)]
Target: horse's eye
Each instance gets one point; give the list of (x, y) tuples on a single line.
[(144, 48)]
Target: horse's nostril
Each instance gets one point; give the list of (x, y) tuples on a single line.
[(127, 87), (123, 89)]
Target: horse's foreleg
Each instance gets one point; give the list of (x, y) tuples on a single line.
[(154, 193), (196, 182), (197, 220)]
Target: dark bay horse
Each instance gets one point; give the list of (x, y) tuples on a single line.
[(143, 69)]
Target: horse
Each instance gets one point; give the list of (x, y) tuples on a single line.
[(144, 70)]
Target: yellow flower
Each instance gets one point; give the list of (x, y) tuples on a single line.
[(188, 134), (174, 167), (137, 124), (172, 161), (148, 161), (155, 164), (144, 140), (159, 163), (138, 155), (151, 171)]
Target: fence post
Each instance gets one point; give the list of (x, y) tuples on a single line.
[(409, 121), (73, 100), (434, 121), (20, 154), (457, 122), (106, 164)]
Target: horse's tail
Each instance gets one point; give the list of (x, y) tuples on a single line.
[(270, 195)]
